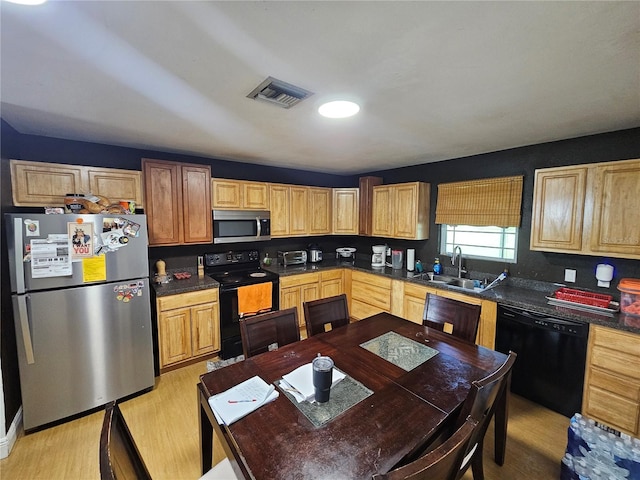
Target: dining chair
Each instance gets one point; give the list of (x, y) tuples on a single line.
[(119, 455), (441, 463), (120, 458), (319, 313), (259, 332), (480, 404), (463, 317)]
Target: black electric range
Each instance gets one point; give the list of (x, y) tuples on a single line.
[(231, 270)]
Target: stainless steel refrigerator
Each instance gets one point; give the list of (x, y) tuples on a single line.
[(81, 304)]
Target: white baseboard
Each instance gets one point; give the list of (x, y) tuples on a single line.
[(7, 442)]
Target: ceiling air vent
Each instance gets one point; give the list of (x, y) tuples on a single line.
[(279, 93)]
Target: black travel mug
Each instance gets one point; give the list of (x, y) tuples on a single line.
[(322, 378)]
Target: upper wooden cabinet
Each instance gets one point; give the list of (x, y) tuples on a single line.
[(401, 211), (116, 184), (591, 209), (239, 195), (299, 211), (289, 210), (615, 224), (178, 202), (558, 209), (320, 211), (346, 206), (366, 204), (38, 184), (279, 201)]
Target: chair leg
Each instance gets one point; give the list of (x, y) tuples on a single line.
[(501, 418), (476, 463)]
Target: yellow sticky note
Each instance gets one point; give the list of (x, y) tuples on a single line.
[(94, 269)]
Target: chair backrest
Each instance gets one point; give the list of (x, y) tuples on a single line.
[(260, 331), (464, 317), (318, 313), (480, 405), (441, 463), (119, 456)]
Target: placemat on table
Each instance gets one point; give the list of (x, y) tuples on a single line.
[(344, 395), (401, 351)]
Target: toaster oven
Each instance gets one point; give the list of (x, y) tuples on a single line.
[(294, 257)]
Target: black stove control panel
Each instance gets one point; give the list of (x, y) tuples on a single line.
[(232, 258)]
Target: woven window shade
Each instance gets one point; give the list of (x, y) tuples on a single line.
[(486, 202)]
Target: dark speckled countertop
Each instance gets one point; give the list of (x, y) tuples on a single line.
[(515, 292), (174, 286)]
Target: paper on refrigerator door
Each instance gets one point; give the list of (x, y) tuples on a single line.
[(50, 257)]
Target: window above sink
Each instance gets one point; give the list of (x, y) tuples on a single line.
[(485, 243)]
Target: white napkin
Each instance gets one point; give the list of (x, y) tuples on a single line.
[(244, 398), (299, 383)]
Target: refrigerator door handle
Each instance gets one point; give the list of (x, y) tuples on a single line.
[(19, 261), (23, 313)]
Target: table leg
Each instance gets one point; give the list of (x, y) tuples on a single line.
[(206, 435)]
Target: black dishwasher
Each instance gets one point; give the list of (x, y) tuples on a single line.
[(551, 352)]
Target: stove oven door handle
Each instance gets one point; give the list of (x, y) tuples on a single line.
[(259, 227)]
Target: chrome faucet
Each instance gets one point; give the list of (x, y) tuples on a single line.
[(457, 251)]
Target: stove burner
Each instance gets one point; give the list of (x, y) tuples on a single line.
[(257, 274), (230, 279)]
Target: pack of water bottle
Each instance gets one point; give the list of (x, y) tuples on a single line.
[(595, 452)]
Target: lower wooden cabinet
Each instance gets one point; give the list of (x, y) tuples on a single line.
[(408, 299), (370, 294), (413, 299), (297, 289), (612, 379), (331, 283), (488, 315), (188, 326)]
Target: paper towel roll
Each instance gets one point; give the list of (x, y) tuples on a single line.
[(411, 259)]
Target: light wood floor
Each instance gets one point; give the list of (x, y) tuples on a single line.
[(164, 423)]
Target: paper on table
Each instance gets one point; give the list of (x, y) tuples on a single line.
[(244, 398), (301, 382)]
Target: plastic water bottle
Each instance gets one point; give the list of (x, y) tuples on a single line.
[(568, 460)]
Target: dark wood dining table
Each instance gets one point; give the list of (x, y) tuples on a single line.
[(406, 410)]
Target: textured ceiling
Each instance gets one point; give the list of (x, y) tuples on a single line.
[(435, 80)]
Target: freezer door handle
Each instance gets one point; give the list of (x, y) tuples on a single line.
[(17, 258), (26, 328)]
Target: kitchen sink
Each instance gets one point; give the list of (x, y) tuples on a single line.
[(465, 283), (461, 282)]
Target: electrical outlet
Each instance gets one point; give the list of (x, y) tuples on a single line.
[(569, 275)]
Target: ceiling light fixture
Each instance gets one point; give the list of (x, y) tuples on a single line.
[(27, 2), (339, 109)]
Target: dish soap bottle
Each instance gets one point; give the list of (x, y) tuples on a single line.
[(437, 268)]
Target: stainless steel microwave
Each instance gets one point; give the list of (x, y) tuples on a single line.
[(232, 226)]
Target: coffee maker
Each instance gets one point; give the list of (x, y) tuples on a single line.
[(378, 257)]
